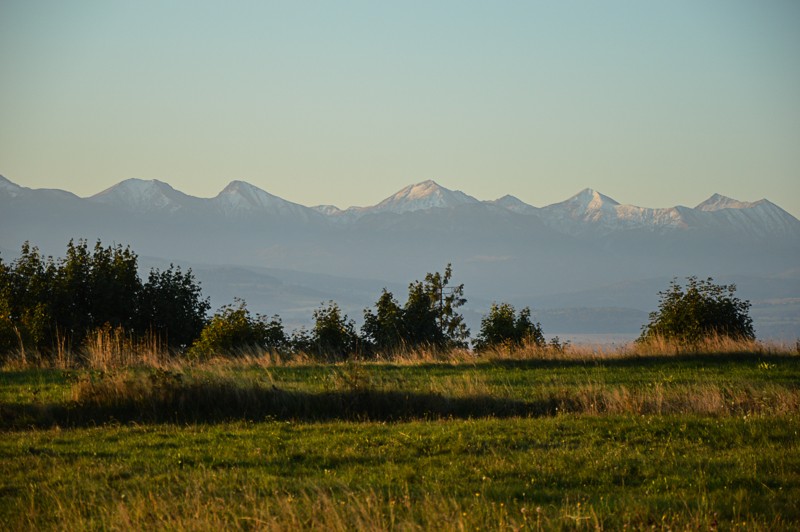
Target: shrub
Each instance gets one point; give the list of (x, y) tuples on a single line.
[(429, 318), (503, 326), (333, 336), (8, 330), (233, 329), (699, 311), (171, 306), (48, 305), (384, 329)]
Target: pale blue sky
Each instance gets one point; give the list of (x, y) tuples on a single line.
[(654, 104)]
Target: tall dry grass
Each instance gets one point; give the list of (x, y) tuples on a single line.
[(355, 393), (110, 348), (714, 344)]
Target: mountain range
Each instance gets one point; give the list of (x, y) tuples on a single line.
[(586, 211), (503, 249)]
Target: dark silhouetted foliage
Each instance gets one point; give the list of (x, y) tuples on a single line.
[(700, 310), (48, 304), (172, 306), (503, 326), (384, 329), (233, 329), (333, 336), (428, 318)]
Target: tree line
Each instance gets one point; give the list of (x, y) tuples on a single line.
[(48, 304)]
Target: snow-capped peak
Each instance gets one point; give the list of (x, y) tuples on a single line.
[(513, 204), (422, 196), (143, 195), (240, 197), (8, 188), (718, 201), (592, 199), (589, 210), (588, 205), (328, 210), (762, 217)]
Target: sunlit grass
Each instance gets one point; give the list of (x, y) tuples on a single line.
[(615, 470), (544, 439)]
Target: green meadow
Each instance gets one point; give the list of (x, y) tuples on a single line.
[(569, 440)]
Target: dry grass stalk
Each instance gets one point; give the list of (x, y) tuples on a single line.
[(110, 348)]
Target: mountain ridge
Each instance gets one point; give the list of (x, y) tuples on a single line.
[(587, 211)]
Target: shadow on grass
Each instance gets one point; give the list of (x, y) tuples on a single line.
[(162, 396), (215, 404)]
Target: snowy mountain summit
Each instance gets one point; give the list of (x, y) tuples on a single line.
[(587, 205), (239, 198), (717, 202), (8, 188), (587, 213), (141, 195), (513, 204), (590, 211), (422, 196), (760, 218)]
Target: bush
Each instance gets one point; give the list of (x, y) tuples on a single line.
[(384, 329), (48, 305), (171, 306), (333, 336), (503, 326), (233, 329), (701, 310), (429, 318)]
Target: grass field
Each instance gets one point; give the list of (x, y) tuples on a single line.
[(564, 441)]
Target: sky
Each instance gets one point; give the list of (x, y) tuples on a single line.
[(652, 103)]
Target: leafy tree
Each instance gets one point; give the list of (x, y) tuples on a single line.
[(700, 310), (419, 317), (333, 336), (72, 292), (301, 341), (8, 330), (384, 329), (233, 328), (31, 286), (172, 306), (430, 316), (503, 326), (92, 289), (114, 286), (47, 304)]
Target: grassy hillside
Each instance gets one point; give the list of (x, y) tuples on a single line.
[(556, 441)]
